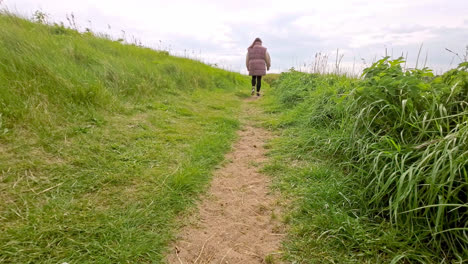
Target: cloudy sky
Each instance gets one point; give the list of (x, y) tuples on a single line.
[(293, 31)]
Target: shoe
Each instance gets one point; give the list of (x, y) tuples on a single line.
[(253, 91), (258, 94)]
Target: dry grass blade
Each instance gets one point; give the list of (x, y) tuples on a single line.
[(203, 248)]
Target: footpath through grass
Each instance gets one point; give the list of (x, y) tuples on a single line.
[(102, 145)]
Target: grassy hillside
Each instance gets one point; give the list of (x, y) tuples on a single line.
[(376, 167), (102, 144)]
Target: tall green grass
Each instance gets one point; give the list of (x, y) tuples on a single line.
[(90, 71), (401, 137), (415, 152), (102, 145)]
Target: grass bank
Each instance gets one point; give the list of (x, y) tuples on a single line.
[(375, 168), (102, 145)]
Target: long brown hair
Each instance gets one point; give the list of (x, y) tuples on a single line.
[(255, 41)]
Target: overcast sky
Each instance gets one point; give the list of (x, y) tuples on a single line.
[(293, 31)]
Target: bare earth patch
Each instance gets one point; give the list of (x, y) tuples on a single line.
[(238, 219)]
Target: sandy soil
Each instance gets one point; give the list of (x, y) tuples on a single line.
[(237, 221)]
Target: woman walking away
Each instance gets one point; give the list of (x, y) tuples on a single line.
[(258, 62)]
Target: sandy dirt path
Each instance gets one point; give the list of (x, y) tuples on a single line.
[(237, 221)]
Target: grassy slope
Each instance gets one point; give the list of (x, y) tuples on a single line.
[(329, 216), (319, 214), (314, 188), (102, 145)]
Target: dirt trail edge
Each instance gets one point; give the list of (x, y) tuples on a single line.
[(237, 220)]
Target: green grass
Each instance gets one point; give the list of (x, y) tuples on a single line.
[(102, 145), (375, 168), (271, 78)]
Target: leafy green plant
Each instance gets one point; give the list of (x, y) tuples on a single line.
[(411, 140)]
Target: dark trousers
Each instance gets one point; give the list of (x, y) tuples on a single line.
[(258, 81)]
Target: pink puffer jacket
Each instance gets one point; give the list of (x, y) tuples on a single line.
[(258, 60)]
